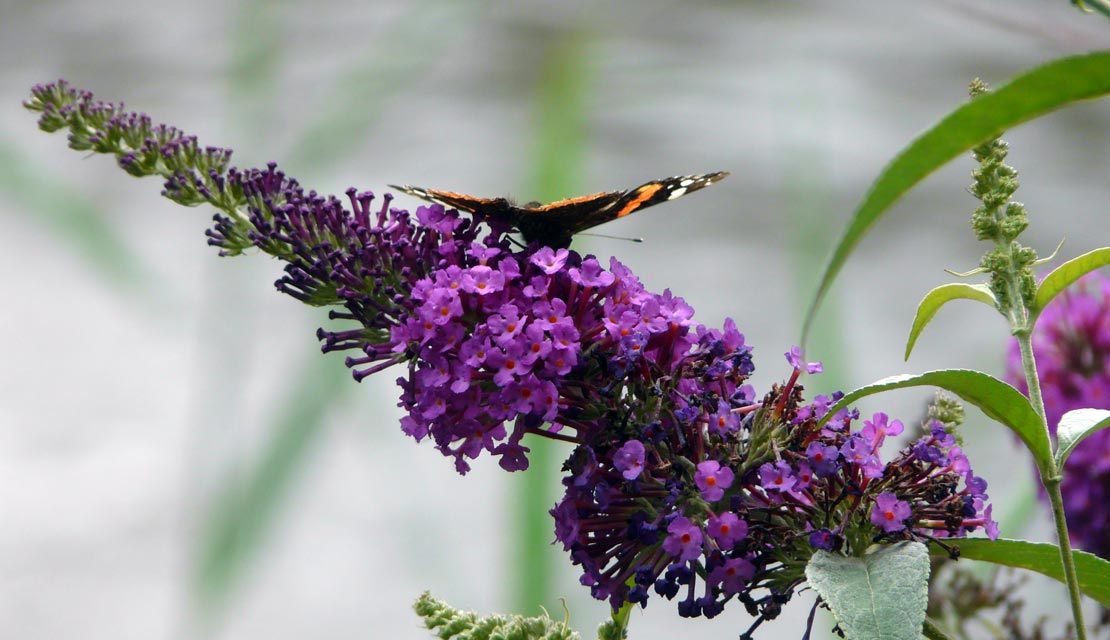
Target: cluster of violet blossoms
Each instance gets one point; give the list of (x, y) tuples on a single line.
[(708, 514), (539, 337), (681, 482), (1071, 343)]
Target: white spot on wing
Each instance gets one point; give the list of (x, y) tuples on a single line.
[(687, 182), (676, 193)]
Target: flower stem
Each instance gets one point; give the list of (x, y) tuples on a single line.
[(1052, 484), (1056, 498)]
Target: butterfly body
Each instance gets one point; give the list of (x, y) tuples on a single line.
[(554, 224)]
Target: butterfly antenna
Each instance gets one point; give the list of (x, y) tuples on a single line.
[(602, 235)]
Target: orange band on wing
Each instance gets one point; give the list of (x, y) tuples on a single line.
[(646, 192), (569, 201)]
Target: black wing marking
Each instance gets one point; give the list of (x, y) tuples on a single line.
[(574, 214), (459, 201), (653, 193)]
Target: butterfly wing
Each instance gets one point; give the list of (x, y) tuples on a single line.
[(578, 214), (554, 224), (573, 214), (460, 201), (652, 193)]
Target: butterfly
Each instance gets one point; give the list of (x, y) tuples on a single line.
[(553, 224)]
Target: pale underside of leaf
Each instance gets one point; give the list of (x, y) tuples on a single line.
[(1075, 427), (879, 596)]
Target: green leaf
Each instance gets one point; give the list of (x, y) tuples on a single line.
[(935, 299), (881, 596), (1063, 276), (1090, 6), (1074, 427), (1031, 94), (1042, 557), (994, 397)]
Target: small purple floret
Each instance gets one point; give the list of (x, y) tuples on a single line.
[(727, 529), (712, 479), (777, 477), (629, 459), (889, 512), (684, 539), (797, 360)]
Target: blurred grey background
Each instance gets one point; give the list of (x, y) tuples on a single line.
[(177, 460)]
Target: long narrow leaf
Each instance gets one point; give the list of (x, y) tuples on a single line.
[(1031, 94), (1044, 558), (1066, 274), (995, 398), (935, 299)]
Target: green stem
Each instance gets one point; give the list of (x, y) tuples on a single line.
[(1057, 499), (1029, 368), (1052, 484)]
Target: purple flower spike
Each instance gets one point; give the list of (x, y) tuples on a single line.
[(493, 344), (890, 513), (712, 479)]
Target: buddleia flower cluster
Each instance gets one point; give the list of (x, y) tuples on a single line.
[(493, 342), (684, 483), (1071, 343), (707, 512)]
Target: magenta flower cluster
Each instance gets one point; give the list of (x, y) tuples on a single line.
[(681, 480), (705, 515), (504, 338), (1071, 344)]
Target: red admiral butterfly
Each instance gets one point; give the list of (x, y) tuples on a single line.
[(553, 224)]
